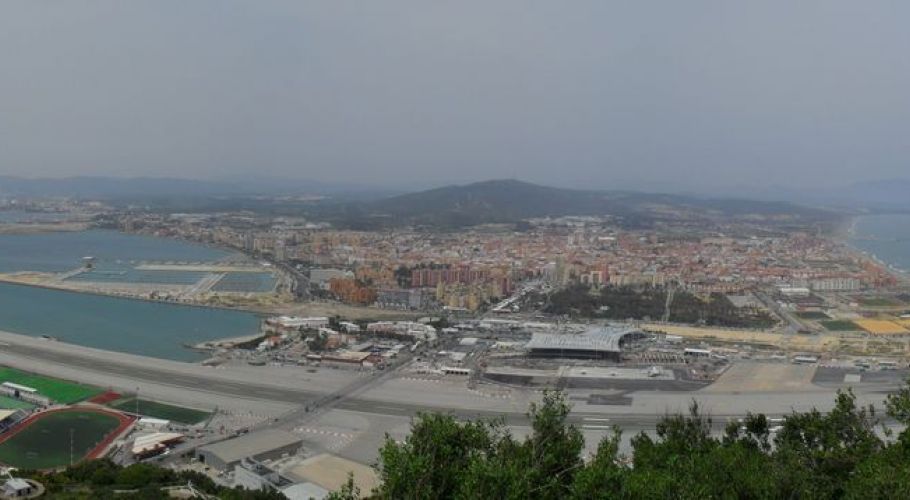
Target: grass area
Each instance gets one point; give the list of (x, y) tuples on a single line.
[(8, 403), (58, 390), (164, 411), (812, 315), (840, 325), (45, 443), (878, 301)]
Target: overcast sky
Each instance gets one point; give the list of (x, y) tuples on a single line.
[(671, 94)]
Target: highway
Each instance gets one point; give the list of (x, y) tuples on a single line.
[(301, 282), (795, 324)]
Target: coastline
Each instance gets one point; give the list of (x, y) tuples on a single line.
[(40, 228), (168, 341), (44, 280), (848, 239), (7, 279)]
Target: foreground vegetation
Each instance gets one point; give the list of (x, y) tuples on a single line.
[(813, 455), (845, 453), (103, 479)]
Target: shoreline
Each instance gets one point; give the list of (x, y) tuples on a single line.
[(16, 229), (225, 342), (181, 344), (5, 279), (901, 275)]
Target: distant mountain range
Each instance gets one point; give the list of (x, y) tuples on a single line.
[(502, 201), (145, 188), (110, 187), (495, 201)]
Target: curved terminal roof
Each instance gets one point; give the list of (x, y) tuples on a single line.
[(600, 338)]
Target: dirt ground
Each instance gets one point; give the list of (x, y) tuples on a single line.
[(331, 472), (763, 377)]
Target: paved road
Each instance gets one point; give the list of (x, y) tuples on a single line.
[(794, 323), (301, 282)]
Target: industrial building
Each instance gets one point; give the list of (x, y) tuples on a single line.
[(601, 342), (254, 475), (148, 445), (294, 323), (260, 445)]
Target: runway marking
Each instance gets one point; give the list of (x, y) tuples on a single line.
[(596, 427), (396, 408), (333, 441), (592, 419), (324, 432), (482, 394)]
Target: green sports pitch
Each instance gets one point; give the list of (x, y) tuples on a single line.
[(45, 442), (840, 325), (164, 411), (58, 390), (813, 315)]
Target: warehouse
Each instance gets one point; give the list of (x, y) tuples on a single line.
[(602, 342), (261, 445)]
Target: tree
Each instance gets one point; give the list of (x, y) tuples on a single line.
[(318, 342), (834, 454), (444, 458), (432, 462), (819, 452), (348, 491)]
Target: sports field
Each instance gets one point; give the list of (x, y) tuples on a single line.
[(164, 411), (58, 390), (812, 315), (878, 301), (881, 327), (43, 441), (840, 325)]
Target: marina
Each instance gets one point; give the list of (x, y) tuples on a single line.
[(119, 324), (53, 303)]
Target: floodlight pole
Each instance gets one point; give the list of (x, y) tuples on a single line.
[(72, 431)]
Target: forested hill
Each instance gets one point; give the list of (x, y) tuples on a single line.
[(504, 201)]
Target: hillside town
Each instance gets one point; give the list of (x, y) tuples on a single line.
[(475, 269)]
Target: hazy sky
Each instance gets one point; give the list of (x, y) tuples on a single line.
[(671, 94)]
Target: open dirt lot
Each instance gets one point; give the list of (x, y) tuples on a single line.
[(764, 377)]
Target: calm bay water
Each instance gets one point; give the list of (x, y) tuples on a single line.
[(885, 236), (63, 251), (134, 326)]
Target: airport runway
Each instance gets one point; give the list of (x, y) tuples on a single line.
[(194, 379), (115, 369), (159, 376)]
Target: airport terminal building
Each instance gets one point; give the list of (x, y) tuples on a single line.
[(600, 342)]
